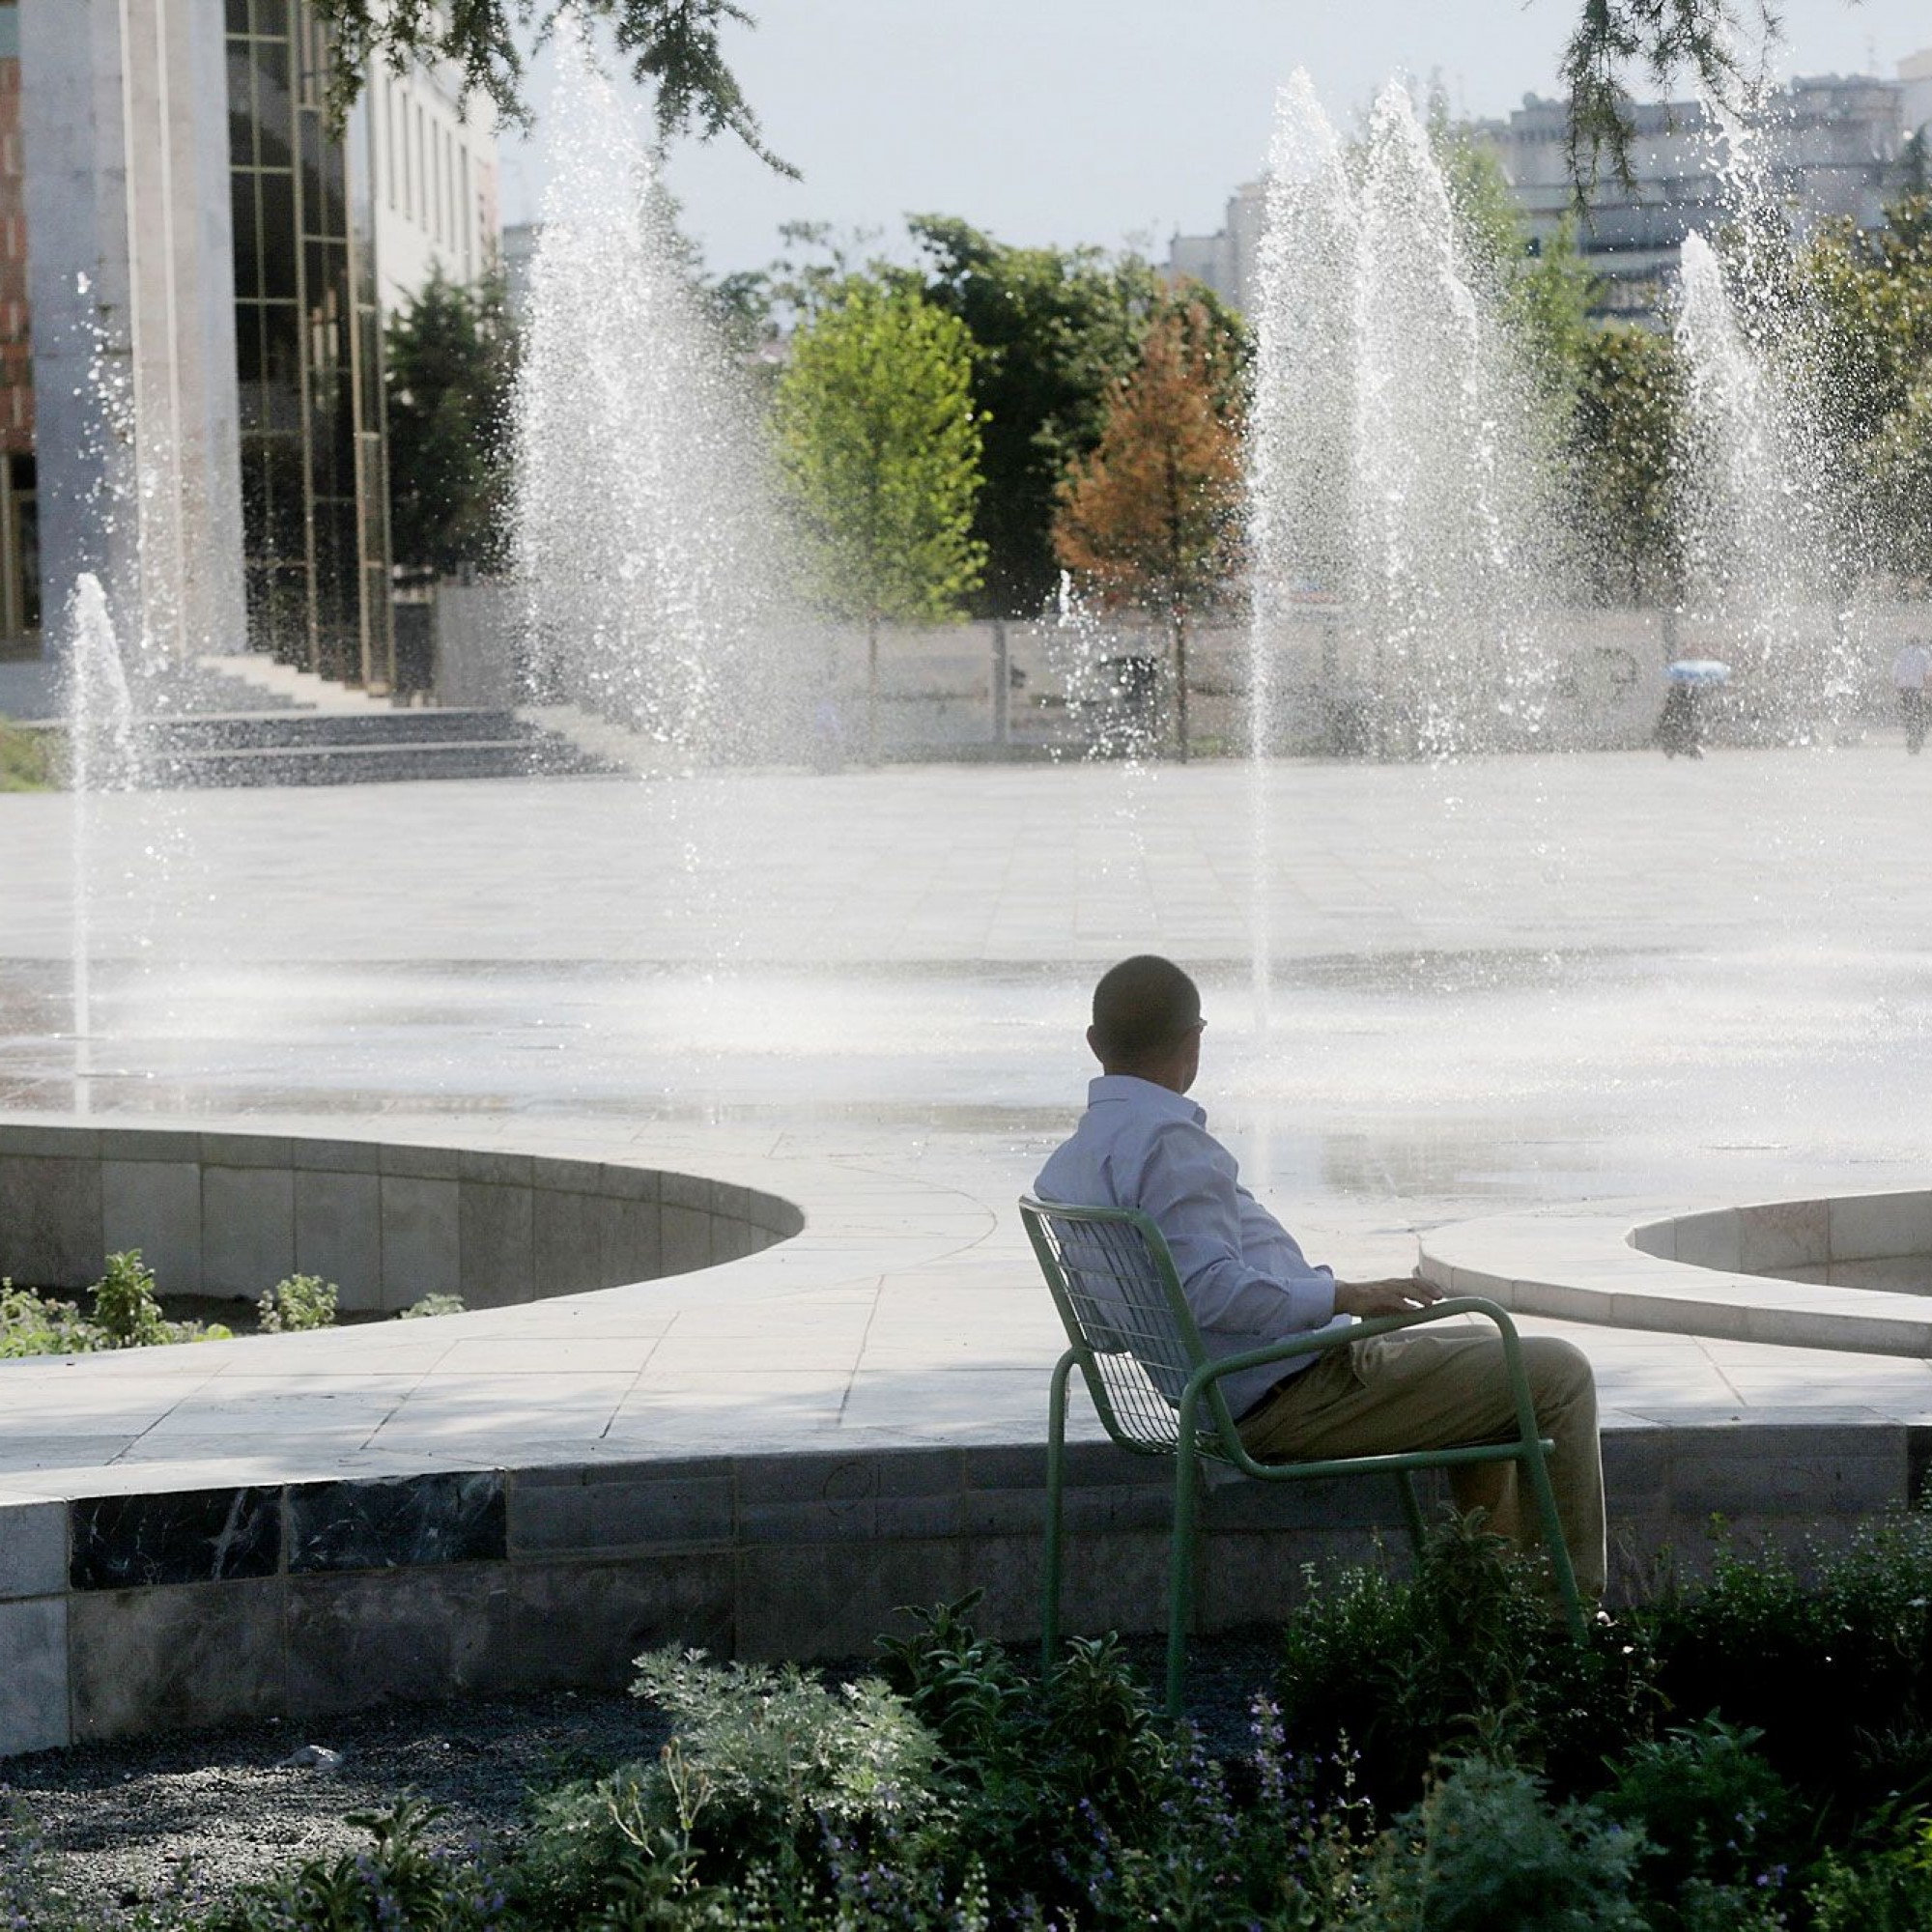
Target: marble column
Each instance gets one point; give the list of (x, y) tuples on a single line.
[(131, 275)]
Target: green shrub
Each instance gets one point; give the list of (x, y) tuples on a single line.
[(33, 1324), (125, 1315), (1721, 1826), (1884, 1886), (124, 1308), (297, 1302), (1835, 1672), (431, 1306), (1465, 1658), (773, 1752), (1485, 1852), (1023, 1757)]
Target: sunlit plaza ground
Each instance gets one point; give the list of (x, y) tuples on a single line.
[(1493, 986)]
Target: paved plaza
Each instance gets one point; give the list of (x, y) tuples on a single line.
[(1493, 987)]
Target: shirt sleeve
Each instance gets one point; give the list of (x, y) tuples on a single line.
[(1188, 1187)]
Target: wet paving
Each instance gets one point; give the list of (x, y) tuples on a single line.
[(1501, 982)]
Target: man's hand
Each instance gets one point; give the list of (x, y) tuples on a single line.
[(1402, 1295)]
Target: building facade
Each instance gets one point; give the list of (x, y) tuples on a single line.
[(209, 262), (1830, 149), (1833, 147), (1227, 261), (19, 544)]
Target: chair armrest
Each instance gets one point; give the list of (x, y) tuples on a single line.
[(1320, 1341)]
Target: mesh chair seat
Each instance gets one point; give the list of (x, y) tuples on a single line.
[(1133, 1338)]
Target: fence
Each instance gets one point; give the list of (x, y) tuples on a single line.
[(988, 689)]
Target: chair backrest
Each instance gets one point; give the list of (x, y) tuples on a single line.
[(1120, 1299)]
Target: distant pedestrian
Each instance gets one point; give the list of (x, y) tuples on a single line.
[(828, 737), (1678, 729), (1681, 727), (1909, 671)]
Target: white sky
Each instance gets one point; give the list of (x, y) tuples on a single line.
[(1102, 121)]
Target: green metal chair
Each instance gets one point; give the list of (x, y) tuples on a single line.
[(1133, 1339)]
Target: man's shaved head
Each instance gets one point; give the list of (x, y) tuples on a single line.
[(1143, 1010)]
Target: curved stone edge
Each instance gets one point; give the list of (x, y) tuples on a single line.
[(231, 1210), (1582, 1265)]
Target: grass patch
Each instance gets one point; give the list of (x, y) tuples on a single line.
[(26, 759)]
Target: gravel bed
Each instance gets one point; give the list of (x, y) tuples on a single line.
[(125, 1823)]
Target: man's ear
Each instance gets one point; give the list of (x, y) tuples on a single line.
[(1094, 1044)]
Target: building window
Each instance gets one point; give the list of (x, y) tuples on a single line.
[(313, 560)]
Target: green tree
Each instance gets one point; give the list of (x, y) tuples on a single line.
[(1626, 479), (451, 359), (1543, 288), (1054, 332), (1864, 302), (1151, 517), (880, 445)]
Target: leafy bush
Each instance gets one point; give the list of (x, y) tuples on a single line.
[(1466, 1657), (125, 1315), (1721, 1826), (1835, 1672), (402, 1880), (1485, 1852), (124, 1308), (1884, 1886), (128, 1314), (32, 1324), (297, 1302), (430, 1307)]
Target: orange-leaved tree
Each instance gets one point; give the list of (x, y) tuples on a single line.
[(1151, 517)]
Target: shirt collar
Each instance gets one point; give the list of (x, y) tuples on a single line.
[(1144, 1097)]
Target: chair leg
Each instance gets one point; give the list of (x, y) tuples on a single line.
[(1411, 1510), (1056, 1483), (1181, 1564), (1552, 1536)]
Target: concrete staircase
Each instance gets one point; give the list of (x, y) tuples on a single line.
[(246, 719), (343, 747)]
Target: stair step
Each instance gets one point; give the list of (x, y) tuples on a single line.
[(303, 729), (367, 764)]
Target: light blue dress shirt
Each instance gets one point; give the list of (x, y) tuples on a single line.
[(1144, 1146)]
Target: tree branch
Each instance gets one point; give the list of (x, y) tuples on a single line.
[(672, 46), (1659, 39)]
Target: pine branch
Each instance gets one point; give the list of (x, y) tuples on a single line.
[(672, 46), (1659, 39)]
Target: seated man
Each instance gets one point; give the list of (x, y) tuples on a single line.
[(1142, 1144)]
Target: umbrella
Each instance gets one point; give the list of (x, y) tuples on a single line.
[(1697, 671)]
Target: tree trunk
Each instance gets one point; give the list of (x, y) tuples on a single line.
[(1177, 623), (872, 689)]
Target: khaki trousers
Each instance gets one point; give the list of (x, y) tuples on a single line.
[(1436, 1389)]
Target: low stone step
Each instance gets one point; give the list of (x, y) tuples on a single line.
[(226, 731), (367, 764)]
